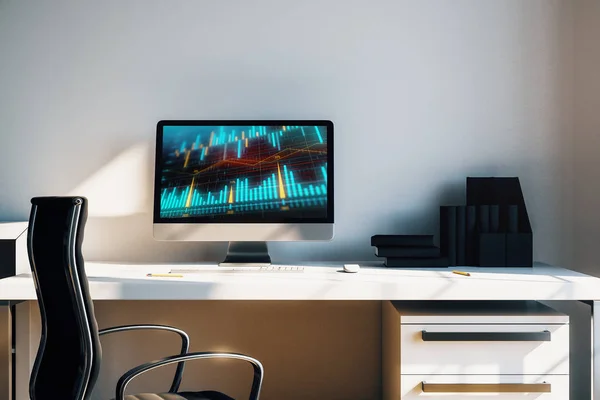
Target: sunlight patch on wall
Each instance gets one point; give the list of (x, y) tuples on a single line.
[(121, 187)]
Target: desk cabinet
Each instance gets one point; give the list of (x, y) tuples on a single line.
[(456, 350)]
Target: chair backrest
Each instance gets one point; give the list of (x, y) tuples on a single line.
[(68, 360)]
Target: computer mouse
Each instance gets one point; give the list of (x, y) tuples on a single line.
[(351, 268)]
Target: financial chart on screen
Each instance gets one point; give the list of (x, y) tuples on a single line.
[(244, 173)]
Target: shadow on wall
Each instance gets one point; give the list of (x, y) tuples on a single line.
[(120, 220), (119, 225)]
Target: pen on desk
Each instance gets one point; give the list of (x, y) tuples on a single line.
[(461, 273), (164, 275)]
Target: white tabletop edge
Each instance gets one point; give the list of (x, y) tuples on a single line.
[(323, 281)]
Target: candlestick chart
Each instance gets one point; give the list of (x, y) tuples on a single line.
[(248, 172)]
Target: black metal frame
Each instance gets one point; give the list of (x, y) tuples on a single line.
[(329, 219), (185, 345), (134, 372)]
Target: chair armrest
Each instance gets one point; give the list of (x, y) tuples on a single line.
[(134, 372), (185, 345)]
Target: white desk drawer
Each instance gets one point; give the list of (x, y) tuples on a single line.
[(484, 349), (482, 387)]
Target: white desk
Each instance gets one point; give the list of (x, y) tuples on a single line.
[(324, 281)]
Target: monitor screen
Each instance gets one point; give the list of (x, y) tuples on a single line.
[(244, 171)]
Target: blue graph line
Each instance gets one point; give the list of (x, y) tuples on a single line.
[(288, 182), (274, 186), (319, 133), (293, 183)]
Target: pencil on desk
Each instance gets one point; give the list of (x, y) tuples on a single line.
[(461, 273), (164, 275)]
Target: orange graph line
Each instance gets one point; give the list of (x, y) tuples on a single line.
[(187, 158), (255, 164), (231, 195), (271, 158)]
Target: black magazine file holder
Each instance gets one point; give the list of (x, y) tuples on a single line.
[(510, 243)]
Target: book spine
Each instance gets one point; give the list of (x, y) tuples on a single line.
[(416, 262), (495, 218), (461, 232), (471, 236), (448, 233), (402, 240), (484, 219), (513, 218), (408, 252)]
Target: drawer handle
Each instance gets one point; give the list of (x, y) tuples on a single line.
[(543, 336), (485, 387)]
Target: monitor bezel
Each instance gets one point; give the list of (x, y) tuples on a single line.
[(329, 219)]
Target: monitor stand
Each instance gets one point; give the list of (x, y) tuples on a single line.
[(247, 254)]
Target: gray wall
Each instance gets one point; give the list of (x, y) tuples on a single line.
[(422, 92), (587, 135), (586, 168)]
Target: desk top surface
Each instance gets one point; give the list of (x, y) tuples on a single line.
[(323, 281)]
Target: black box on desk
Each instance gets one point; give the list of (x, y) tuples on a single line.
[(13, 249), (492, 250), (502, 211), (519, 249)]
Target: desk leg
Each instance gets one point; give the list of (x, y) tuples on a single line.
[(595, 350), (6, 374), (24, 349)]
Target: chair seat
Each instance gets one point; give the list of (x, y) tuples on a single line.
[(204, 395)]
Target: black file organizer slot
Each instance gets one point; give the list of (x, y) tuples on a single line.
[(492, 230)]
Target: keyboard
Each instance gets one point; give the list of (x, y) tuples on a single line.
[(270, 268)]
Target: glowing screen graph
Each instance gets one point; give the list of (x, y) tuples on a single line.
[(243, 173)]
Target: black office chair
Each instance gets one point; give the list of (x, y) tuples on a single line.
[(69, 356)]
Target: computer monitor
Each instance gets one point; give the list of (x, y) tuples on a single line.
[(244, 182)]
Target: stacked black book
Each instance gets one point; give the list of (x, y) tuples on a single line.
[(408, 251)]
